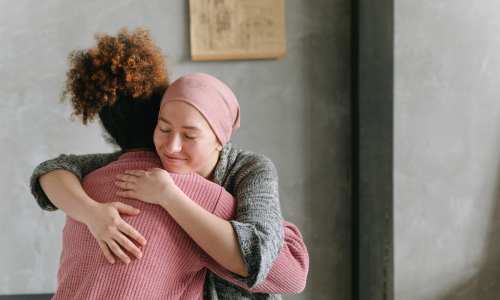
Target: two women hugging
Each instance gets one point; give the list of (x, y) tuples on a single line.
[(188, 214)]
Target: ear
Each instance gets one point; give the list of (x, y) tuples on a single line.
[(219, 146)]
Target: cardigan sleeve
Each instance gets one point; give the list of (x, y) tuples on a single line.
[(288, 273), (79, 165), (258, 222)]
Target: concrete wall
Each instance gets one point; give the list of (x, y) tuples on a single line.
[(447, 149), (294, 110)]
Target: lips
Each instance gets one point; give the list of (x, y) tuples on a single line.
[(173, 159)]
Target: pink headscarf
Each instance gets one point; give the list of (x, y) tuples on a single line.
[(212, 98)]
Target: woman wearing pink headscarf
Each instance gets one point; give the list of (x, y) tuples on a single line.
[(197, 116)]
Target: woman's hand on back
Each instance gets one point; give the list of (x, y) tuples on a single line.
[(152, 186), (103, 219), (111, 231)]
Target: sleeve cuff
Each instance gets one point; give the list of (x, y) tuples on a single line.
[(257, 263), (51, 165)]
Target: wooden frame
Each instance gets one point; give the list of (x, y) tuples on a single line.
[(237, 29)]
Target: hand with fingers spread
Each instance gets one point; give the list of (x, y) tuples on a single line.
[(102, 219), (153, 186), (111, 231)]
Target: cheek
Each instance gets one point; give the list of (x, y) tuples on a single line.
[(205, 151), (160, 140), (157, 138), (196, 152)]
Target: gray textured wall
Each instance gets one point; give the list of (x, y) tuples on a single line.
[(294, 110), (447, 149)]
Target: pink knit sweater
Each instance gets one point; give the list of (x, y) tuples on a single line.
[(173, 265)]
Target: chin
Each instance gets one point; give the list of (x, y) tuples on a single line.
[(177, 169)]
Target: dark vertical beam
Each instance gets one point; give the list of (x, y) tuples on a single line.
[(372, 149)]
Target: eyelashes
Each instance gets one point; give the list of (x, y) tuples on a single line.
[(187, 136)]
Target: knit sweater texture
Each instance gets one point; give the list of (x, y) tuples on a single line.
[(172, 266), (262, 235)]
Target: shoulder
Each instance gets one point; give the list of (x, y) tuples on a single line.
[(239, 165), (254, 162), (248, 160), (118, 164)]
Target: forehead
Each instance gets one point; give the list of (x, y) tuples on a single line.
[(180, 113)]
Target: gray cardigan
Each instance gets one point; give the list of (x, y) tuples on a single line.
[(251, 178)]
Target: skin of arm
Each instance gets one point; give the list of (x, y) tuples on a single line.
[(103, 219), (213, 234), (79, 165)]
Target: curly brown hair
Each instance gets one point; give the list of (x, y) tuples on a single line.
[(128, 65)]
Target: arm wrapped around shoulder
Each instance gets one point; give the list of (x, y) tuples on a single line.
[(79, 165)]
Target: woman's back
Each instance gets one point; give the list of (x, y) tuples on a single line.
[(172, 266)]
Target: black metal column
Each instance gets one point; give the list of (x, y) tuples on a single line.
[(372, 149)]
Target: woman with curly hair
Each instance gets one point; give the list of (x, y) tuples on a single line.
[(122, 81)]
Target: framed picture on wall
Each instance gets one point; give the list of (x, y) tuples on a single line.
[(237, 29)]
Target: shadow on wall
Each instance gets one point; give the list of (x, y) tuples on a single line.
[(326, 77), (485, 285)]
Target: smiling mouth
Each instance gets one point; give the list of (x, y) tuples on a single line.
[(173, 159)]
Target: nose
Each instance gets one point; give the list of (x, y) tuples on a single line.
[(174, 144)]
